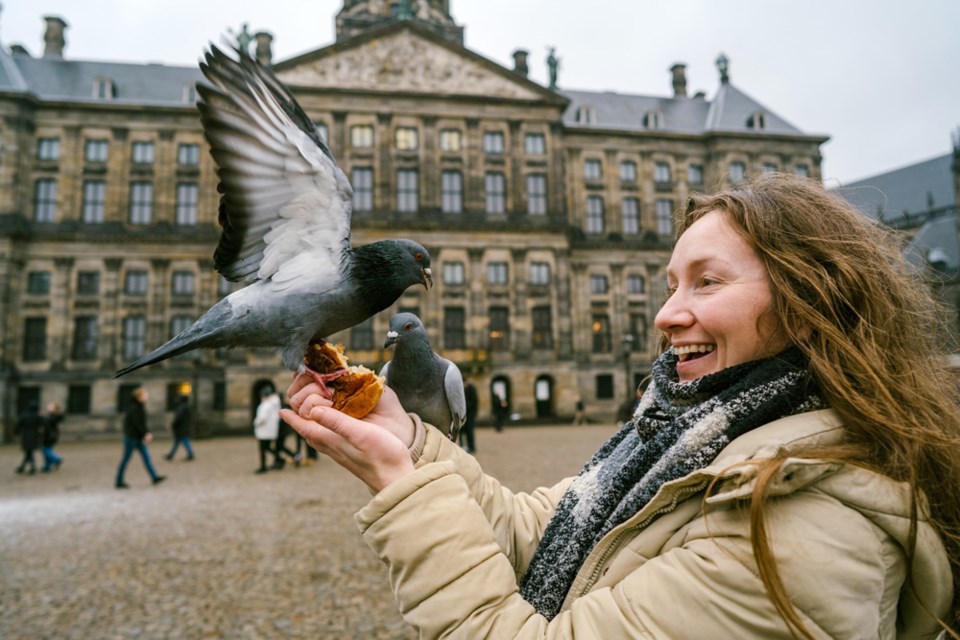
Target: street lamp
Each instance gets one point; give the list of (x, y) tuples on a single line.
[(627, 349)]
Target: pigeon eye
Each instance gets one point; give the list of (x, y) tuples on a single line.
[(408, 326), (418, 256)]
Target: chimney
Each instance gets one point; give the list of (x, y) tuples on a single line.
[(264, 53), (679, 71), (520, 62), (53, 39)]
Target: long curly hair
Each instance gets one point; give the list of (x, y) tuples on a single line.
[(874, 336)]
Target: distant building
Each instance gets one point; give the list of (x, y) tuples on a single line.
[(548, 214)]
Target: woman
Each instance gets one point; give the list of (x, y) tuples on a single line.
[(51, 435), (181, 427), (266, 428), (789, 472)]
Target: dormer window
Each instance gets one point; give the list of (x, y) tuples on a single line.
[(653, 119), (757, 121), (104, 89), (586, 115), (189, 93)]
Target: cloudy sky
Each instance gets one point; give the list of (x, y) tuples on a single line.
[(880, 77)]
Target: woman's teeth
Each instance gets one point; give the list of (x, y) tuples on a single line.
[(692, 350)]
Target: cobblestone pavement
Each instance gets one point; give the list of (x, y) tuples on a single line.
[(216, 551)]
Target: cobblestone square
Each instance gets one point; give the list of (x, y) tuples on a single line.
[(216, 551)]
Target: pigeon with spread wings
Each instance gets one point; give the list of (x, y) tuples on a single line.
[(285, 211)]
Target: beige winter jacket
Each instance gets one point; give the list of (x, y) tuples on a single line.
[(457, 543)]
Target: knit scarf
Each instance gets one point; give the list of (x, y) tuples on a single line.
[(677, 428)]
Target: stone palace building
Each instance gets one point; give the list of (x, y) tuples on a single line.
[(547, 212)]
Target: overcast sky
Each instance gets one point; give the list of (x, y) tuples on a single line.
[(880, 77)]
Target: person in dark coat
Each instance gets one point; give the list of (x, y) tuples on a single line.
[(499, 411), (466, 431), (136, 437), (28, 427), (51, 434), (181, 427)]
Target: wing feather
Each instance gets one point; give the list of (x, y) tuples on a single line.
[(283, 197)]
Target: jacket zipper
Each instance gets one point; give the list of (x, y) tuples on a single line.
[(680, 494)]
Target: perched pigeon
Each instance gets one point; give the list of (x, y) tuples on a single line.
[(427, 384), (285, 210)]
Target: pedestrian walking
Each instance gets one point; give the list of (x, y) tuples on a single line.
[(51, 435), (28, 427), (182, 426), (580, 414), (136, 437), (499, 411), (266, 428)]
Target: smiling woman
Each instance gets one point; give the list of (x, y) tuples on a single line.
[(789, 471)]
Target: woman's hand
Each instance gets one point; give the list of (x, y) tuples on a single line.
[(374, 449)]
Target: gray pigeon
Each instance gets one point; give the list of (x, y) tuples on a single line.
[(426, 383), (285, 210)]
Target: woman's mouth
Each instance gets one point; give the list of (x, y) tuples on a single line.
[(688, 352)]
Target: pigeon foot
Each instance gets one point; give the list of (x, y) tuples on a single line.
[(323, 378)]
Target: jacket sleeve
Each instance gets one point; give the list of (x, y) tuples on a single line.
[(452, 579), (517, 519)]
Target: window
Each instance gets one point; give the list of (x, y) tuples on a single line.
[(361, 136), (595, 214), (537, 194), (535, 144), (757, 121), (451, 191), (34, 339), (498, 273), (454, 332), (542, 334), (628, 171), (85, 336), (665, 217), (88, 283), (38, 282), (48, 149), (592, 169), (182, 283), (653, 119), (95, 151), (134, 337), (661, 173), (737, 171), (630, 214), (769, 167), (135, 283), (801, 170), (408, 198), (94, 199), (78, 399), (323, 131), (695, 174), (585, 115), (141, 202), (179, 323), (450, 140), (361, 335), (188, 196), (604, 383), (188, 154), (453, 273), (495, 187), (219, 396), (636, 283), (601, 333), (142, 153), (539, 273), (189, 93), (103, 88), (493, 142), (499, 332), (362, 179), (638, 329), (406, 138), (45, 200), (599, 284)]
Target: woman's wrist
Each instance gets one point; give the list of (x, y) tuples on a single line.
[(419, 438)]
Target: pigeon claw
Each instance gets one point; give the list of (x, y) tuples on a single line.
[(323, 378)]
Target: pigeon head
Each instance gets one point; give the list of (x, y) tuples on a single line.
[(402, 326), (416, 260)]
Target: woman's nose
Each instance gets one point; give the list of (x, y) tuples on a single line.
[(674, 313)]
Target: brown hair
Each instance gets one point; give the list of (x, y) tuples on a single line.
[(873, 334)]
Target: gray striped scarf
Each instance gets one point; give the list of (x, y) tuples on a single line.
[(678, 427)]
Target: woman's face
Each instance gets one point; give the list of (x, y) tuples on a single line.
[(718, 312)]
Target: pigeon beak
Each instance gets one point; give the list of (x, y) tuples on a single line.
[(391, 338), (427, 278)]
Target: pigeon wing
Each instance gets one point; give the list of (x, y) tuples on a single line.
[(456, 398), (285, 204)]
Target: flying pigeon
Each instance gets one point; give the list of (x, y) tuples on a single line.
[(285, 210), (426, 383)]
